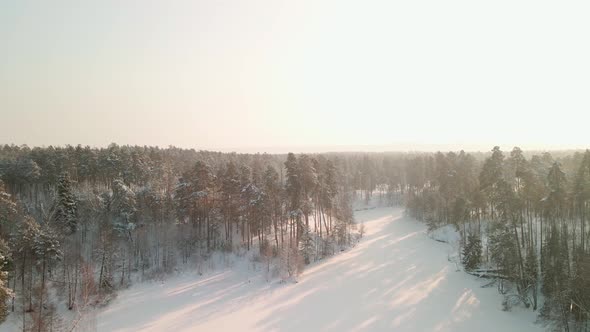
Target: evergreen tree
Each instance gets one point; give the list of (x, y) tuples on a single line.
[(23, 253), (580, 306), (230, 192), (123, 207), (491, 176), (294, 193), (502, 249), (273, 201), (582, 197), (531, 274), (554, 261), (293, 183), (5, 292), (472, 252), (46, 249), (306, 247), (65, 206), (8, 212)]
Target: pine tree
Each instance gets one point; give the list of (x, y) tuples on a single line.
[(65, 206), (5, 292), (308, 180), (503, 249), (531, 273), (294, 193), (472, 252), (581, 287), (344, 217), (557, 295), (123, 206), (306, 247), (230, 196), (8, 211), (582, 196), (46, 249), (273, 201), (23, 252), (293, 182), (182, 199), (491, 176)]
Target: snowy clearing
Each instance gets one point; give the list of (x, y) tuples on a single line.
[(396, 278)]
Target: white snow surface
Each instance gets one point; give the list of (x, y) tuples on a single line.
[(395, 279)]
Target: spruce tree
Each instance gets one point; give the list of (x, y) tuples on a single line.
[(472, 252)]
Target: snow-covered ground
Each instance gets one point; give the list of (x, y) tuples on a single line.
[(396, 278)]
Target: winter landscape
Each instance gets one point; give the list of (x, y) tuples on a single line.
[(312, 165)]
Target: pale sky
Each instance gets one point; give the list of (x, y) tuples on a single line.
[(315, 74)]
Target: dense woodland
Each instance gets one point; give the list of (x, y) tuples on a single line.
[(524, 220), (524, 223), (84, 222)]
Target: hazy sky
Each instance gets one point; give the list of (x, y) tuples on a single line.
[(223, 74)]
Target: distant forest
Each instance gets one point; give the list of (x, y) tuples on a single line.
[(84, 222)]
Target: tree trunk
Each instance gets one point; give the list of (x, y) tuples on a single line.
[(39, 323)]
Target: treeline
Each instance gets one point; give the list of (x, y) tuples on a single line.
[(78, 223), (82, 222), (524, 223), (523, 218)]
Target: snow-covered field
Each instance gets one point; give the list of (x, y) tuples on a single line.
[(396, 278)]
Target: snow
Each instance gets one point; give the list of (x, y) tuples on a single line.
[(397, 278)]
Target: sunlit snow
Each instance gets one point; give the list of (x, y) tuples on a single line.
[(396, 278)]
